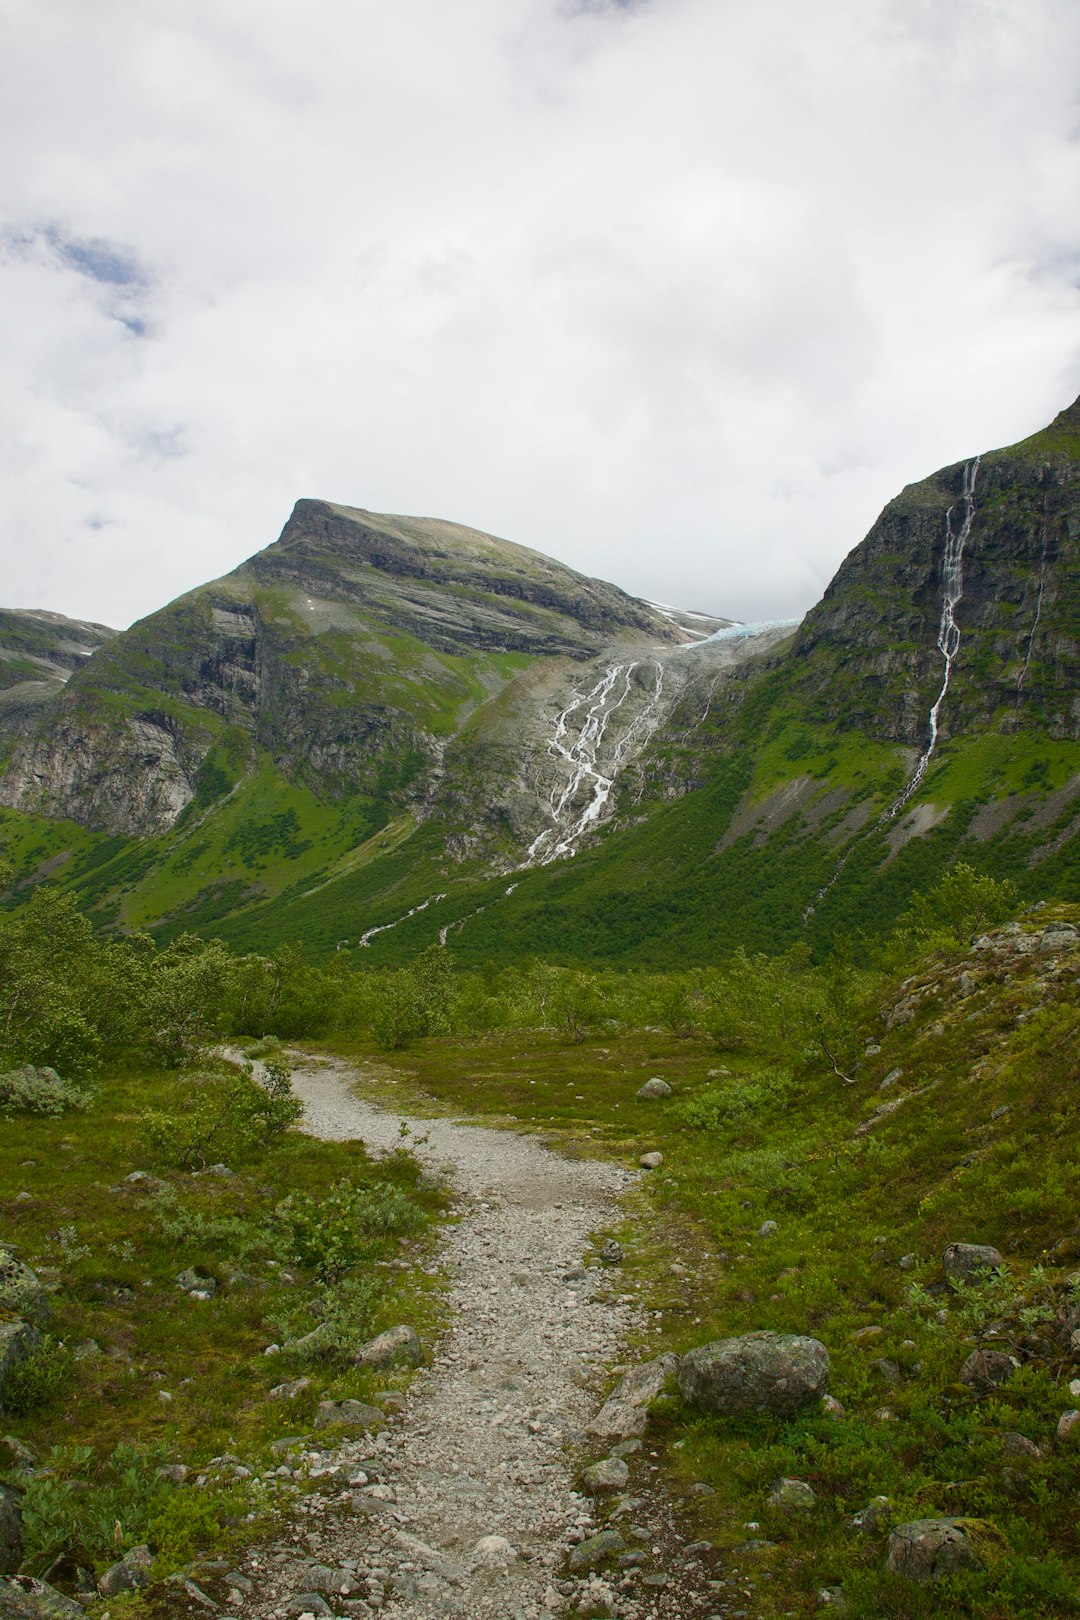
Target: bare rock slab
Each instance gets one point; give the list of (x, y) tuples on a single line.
[(756, 1372)]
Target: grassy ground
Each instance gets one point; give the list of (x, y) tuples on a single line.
[(132, 1361), (982, 1148)]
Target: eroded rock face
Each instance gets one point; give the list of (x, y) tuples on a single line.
[(757, 1372)]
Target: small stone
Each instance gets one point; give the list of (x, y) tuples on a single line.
[(908, 1262), (611, 1253), (831, 1408), (767, 1228), (653, 1088), (651, 1161), (866, 1335), (886, 1369), (791, 1496), (239, 1583), (306, 1603), (999, 1113), (890, 1079)]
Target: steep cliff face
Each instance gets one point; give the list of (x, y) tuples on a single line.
[(39, 651), (868, 656), (350, 651)]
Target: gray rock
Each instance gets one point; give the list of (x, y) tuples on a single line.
[(926, 1549), (831, 1408), (25, 1598), (653, 1088), (767, 1228), (872, 1518), (606, 1476), (984, 1370), (349, 1414), (963, 1262), (21, 1291), (1060, 936), (886, 1369), (129, 1574), (596, 1550), (791, 1496), (890, 1079), (197, 1284), (16, 1456), (757, 1372), (239, 1583), (611, 1253), (651, 1161), (306, 1603), (399, 1343), (10, 1529), (494, 1552)]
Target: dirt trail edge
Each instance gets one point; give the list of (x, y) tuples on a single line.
[(479, 1452)]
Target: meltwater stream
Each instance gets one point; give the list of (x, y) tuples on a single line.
[(948, 638)]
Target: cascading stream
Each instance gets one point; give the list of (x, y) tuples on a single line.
[(581, 753), (948, 638)]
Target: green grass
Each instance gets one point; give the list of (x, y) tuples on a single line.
[(759, 1142)]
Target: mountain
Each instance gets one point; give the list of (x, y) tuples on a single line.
[(39, 651), (385, 731)]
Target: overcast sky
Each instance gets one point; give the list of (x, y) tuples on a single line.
[(678, 291)]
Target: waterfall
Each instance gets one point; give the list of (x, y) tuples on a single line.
[(948, 637)]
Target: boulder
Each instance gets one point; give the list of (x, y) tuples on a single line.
[(340, 1582), (494, 1552), (128, 1574), (757, 1372), (651, 1161), (984, 1370), (21, 1290), (926, 1549), (350, 1414), (10, 1529), (611, 1474), (652, 1089), (1018, 1445), (623, 1413), (964, 1262), (611, 1253), (399, 1343), (290, 1390)]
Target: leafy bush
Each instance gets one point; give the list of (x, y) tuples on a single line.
[(332, 1234), (738, 1099), (41, 1378), (228, 1115), (28, 1090), (344, 1312)]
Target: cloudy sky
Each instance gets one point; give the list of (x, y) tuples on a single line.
[(679, 291)]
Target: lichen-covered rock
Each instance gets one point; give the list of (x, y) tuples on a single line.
[(596, 1550), (401, 1343), (791, 1496), (757, 1372), (652, 1089), (926, 1549), (964, 1262), (610, 1474), (623, 1413), (22, 1597), (872, 1518)]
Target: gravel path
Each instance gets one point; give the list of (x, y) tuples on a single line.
[(480, 1450)]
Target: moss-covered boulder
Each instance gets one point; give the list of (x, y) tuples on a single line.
[(757, 1372)]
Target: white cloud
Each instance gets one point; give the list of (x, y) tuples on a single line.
[(680, 291)]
